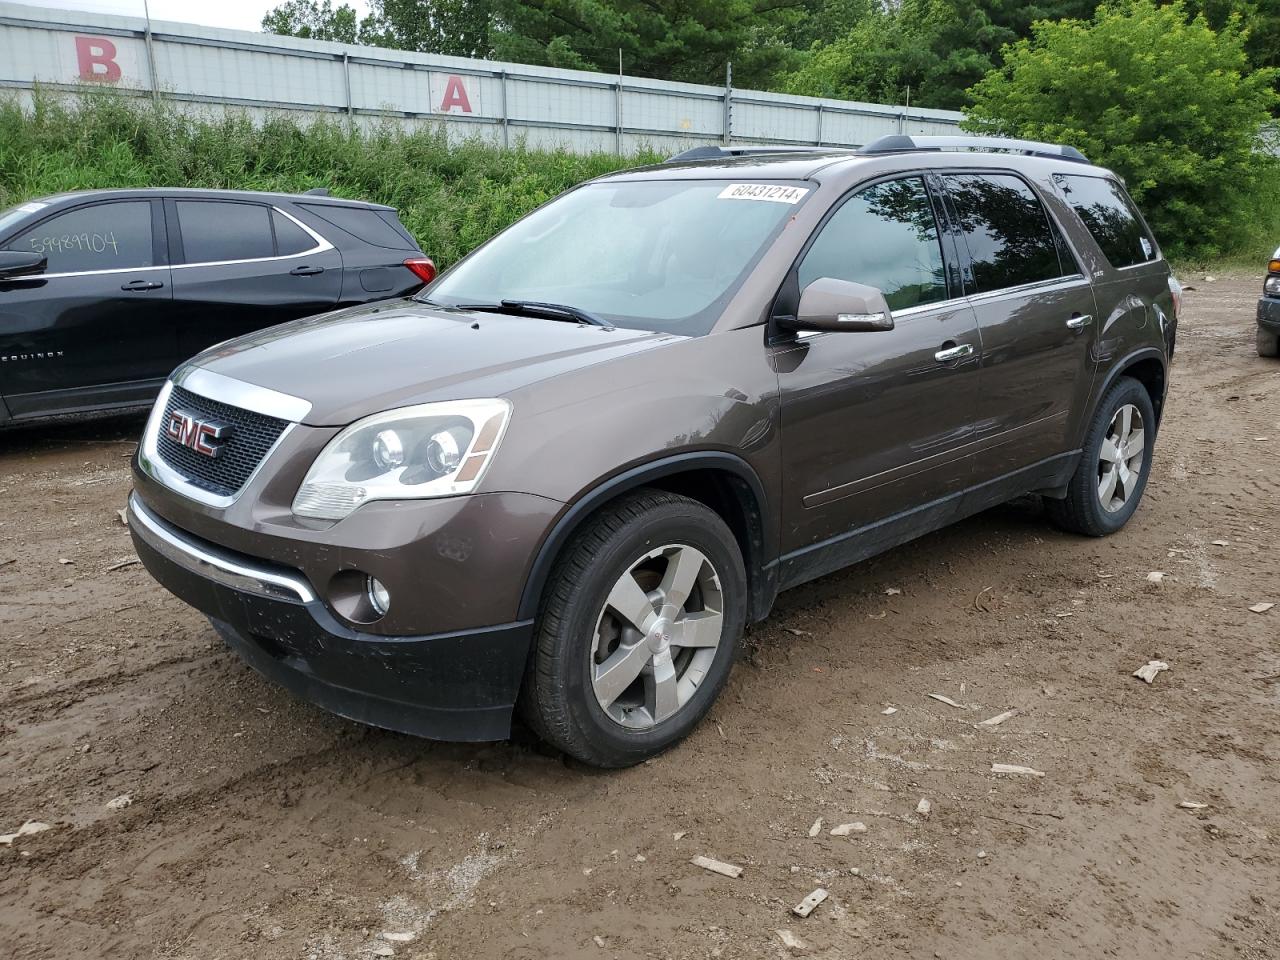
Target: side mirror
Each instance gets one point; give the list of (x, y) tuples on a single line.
[(842, 306), (18, 263)]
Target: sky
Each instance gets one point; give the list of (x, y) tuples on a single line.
[(232, 14)]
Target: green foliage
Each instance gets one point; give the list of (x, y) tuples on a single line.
[(313, 20), (689, 40), (451, 197), (934, 48), (1165, 101)]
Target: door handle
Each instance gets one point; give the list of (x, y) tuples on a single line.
[(134, 286), (306, 271), (1079, 321), (947, 354)]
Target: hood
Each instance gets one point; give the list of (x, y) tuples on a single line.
[(355, 362)]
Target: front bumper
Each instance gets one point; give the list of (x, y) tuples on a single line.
[(451, 686), (1269, 314)]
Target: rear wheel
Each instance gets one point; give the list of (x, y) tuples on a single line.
[(1268, 343), (638, 630), (1112, 474)]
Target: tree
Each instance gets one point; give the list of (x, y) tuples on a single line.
[(690, 40), (458, 28), (314, 20), (1163, 99), (936, 48)]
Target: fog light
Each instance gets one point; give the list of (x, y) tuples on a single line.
[(379, 596)]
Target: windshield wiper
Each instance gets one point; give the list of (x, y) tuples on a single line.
[(535, 308)]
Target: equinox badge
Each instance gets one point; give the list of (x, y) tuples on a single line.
[(202, 436)]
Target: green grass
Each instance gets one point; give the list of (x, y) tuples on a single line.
[(451, 197)]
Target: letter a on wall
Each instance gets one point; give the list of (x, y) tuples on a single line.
[(96, 60), (452, 94)]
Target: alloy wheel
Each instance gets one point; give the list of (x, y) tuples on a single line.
[(656, 636), (1120, 459)]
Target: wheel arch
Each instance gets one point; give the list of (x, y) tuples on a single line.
[(722, 481), (1149, 367)]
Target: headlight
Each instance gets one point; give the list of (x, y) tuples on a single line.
[(430, 450), (1272, 286)]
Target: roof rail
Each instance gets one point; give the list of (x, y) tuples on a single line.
[(897, 143), (715, 152)]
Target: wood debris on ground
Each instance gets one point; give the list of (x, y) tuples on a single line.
[(1192, 805), (948, 701), (1149, 670), (790, 940), (717, 866), (1261, 607), (809, 903), (1015, 769), (28, 828), (845, 829), (998, 719), (123, 563)]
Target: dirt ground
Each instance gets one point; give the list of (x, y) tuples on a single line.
[(262, 827)]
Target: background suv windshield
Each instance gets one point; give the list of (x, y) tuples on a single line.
[(652, 255)]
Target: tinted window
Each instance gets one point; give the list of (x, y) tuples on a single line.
[(1111, 217), (216, 230), (360, 222), (104, 236), (290, 238), (1006, 229), (886, 237)]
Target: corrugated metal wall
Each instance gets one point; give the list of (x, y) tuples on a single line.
[(204, 68)]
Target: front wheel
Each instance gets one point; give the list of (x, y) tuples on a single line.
[(1268, 343), (1108, 483), (638, 630)]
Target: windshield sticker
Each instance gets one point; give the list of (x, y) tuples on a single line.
[(763, 191)]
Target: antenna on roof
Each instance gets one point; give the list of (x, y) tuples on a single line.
[(317, 192)]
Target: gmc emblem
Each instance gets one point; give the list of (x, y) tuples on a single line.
[(202, 436)]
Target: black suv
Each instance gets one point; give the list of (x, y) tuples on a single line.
[(103, 292)]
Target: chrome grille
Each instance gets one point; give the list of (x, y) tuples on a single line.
[(253, 435)]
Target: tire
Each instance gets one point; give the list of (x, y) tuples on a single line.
[(1083, 510), (1268, 343), (584, 649)]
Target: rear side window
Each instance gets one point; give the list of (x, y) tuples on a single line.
[(1111, 217), (102, 236), (886, 237), (1007, 231), (361, 222), (290, 238), (216, 230)]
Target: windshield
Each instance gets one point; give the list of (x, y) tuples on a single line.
[(660, 255)]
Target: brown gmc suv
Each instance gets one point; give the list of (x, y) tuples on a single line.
[(568, 473)]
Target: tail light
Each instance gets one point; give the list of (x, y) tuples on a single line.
[(423, 268)]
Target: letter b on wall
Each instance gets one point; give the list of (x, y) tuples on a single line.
[(96, 60)]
